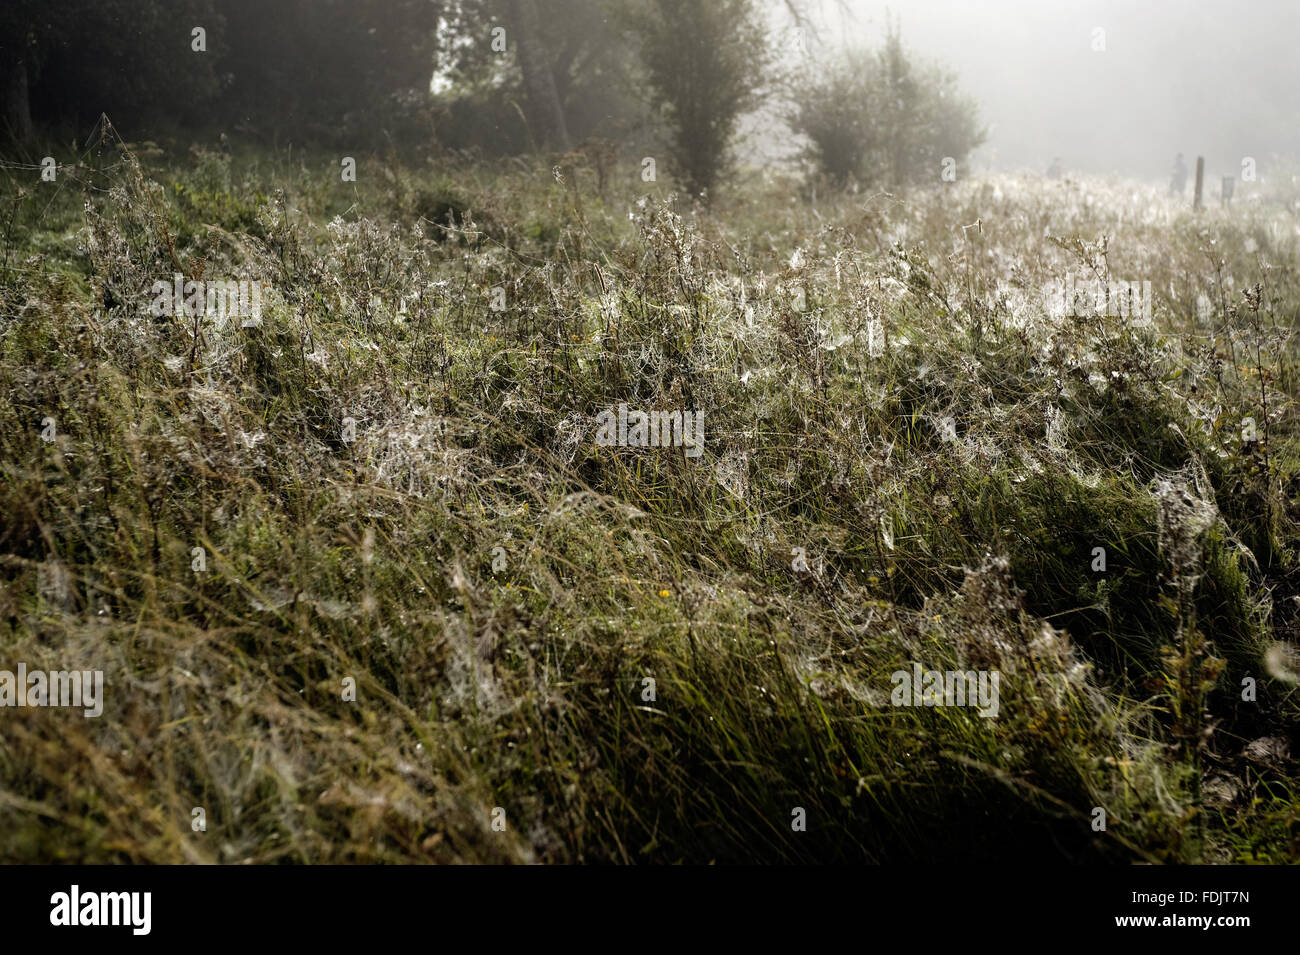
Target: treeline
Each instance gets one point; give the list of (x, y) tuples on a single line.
[(322, 70), (498, 77), (306, 69)]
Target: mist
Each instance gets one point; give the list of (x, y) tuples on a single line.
[(1212, 78)]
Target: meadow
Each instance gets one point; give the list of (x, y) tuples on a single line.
[(365, 587)]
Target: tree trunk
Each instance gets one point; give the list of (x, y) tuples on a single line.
[(545, 112), (17, 105)]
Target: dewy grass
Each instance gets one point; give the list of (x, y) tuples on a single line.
[(364, 585)]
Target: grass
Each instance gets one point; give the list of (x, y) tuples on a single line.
[(350, 465)]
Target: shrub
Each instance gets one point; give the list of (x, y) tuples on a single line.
[(882, 116), (705, 61)]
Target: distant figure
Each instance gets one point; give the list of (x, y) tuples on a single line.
[(1178, 181), (1054, 170)]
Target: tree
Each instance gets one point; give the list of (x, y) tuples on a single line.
[(17, 105), (132, 59), (568, 72), (544, 107), (705, 61), (308, 68), (328, 71), (834, 105), (901, 107), (883, 116), (27, 27)]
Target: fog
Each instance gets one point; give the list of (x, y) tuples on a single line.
[(1215, 78)]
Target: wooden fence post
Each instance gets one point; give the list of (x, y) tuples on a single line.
[(1200, 180)]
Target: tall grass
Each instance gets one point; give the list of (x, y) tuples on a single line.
[(887, 383)]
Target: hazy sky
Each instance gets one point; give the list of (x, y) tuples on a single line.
[(1219, 78)]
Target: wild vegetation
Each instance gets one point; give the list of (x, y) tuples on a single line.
[(888, 382), (880, 116)]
